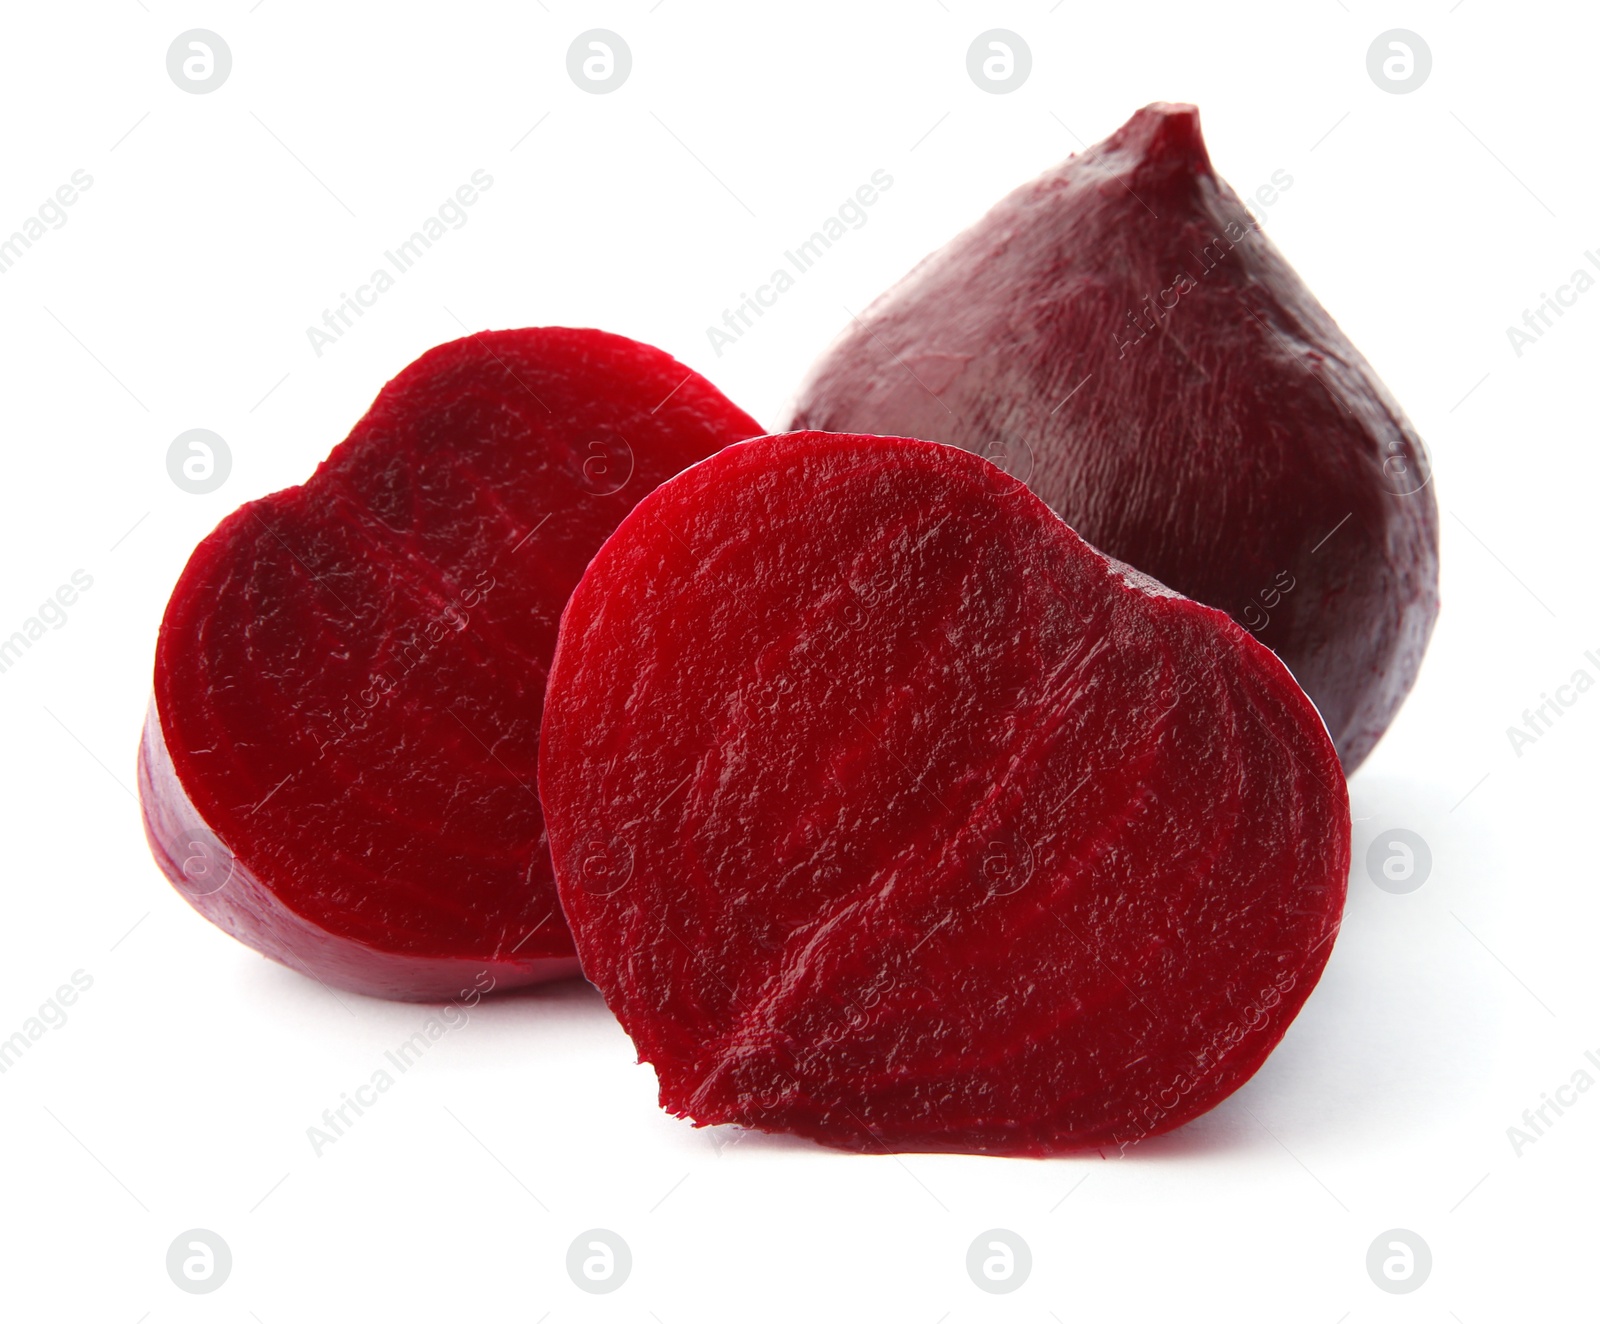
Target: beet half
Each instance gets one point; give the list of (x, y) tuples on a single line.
[(1121, 335), (887, 811), (339, 762)]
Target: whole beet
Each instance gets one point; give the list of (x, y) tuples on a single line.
[(1121, 335)]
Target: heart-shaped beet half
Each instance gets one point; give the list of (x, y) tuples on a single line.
[(339, 764), (1125, 338), (887, 811)]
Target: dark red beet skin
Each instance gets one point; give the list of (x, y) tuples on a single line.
[(339, 765), (1121, 335), (887, 811)]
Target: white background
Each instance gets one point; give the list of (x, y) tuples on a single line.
[(177, 295)]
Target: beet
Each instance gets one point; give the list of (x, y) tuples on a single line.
[(339, 765), (887, 811), (1121, 335)]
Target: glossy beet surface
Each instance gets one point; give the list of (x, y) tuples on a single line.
[(887, 811), (339, 766), (1122, 336)]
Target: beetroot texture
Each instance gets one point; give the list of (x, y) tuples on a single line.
[(339, 765), (887, 811), (1121, 335)]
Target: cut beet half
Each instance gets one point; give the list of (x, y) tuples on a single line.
[(887, 811), (339, 765)]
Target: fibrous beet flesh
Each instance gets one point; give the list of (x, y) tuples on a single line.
[(339, 762), (887, 811)]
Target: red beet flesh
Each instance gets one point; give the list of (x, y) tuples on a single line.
[(1121, 335), (339, 763), (887, 811)]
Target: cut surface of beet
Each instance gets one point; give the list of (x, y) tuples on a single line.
[(339, 764), (1121, 335), (887, 811)]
